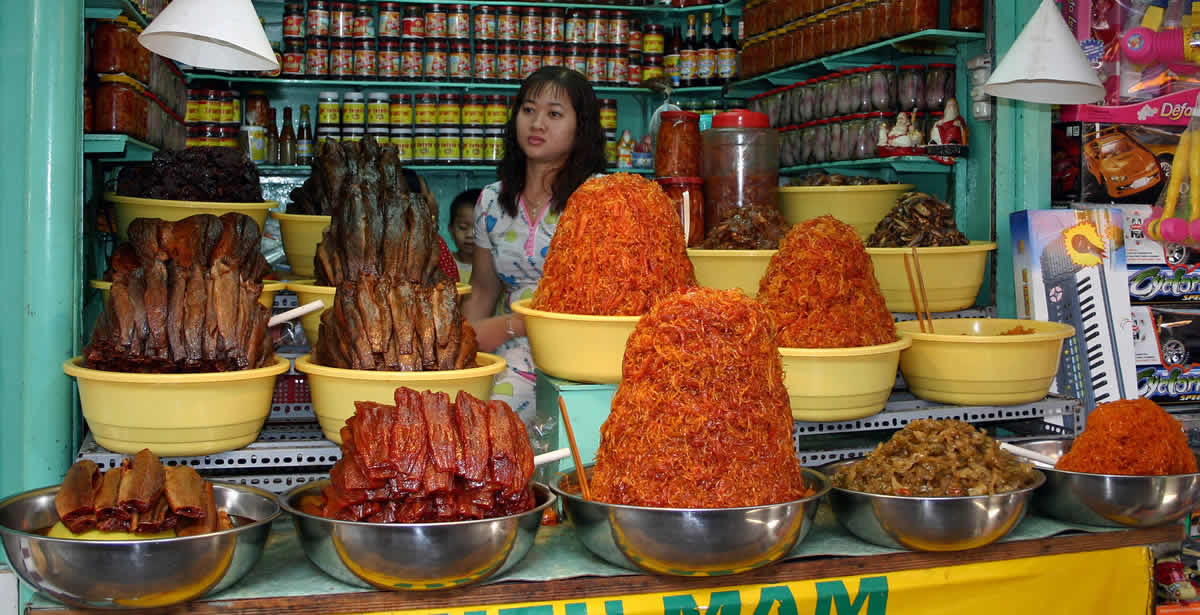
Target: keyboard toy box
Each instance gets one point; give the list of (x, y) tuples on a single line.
[(1166, 342), (1069, 267)]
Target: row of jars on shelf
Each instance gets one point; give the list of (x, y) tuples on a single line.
[(456, 60), (881, 18), (850, 137), (504, 22), (882, 87)]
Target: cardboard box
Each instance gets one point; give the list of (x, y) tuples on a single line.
[(1150, 284), (1166, 341), (1069, 266), (1097, 162)]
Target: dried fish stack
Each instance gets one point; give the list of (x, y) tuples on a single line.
[(394, 310), (918, 220), (184, 298)]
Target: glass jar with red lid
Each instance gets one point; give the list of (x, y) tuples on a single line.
[(508, 23), (554, 21), (364, 21), (293, 58), (389, 58), (616, 65), (341, 58), (364, 58), (434, 64), (317, 18), (485, 23), (597, 27), (316, 60), (411, 57), (554, 55), (576, 27), (458, 21), (597, 62), (391, 20), (531, 59), (293, 20), (341, 20), (458, 60), (435, 21), (531, 25), (412, 25), (485, 61), (508, 61)]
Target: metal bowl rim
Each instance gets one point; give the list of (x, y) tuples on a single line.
[(284, 503), (826, 485), (266, 495), (1041, 480), (1116, 476)]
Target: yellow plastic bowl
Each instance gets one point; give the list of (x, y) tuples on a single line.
[(267, 298), (334, 390), (725, 269), (967, 362), (301, 234), (859, 206), (577, 347), (175, 414), (307, 292), (952, 274), (840, 384), (130, 208)]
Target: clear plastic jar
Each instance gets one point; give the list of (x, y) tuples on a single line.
[(808, 100), (844, 96), (820, 141), (875, 121), (835, 139), (786, 159), (881, 87), (910, 87), (740, 163), (826, 97), (939, 85), (804, 143)]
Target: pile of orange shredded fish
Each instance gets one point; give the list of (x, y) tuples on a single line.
[(1134, 437), (821, 292), (701, 418), (618, 249)]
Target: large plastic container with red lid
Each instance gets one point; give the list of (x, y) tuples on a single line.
[(740, 165)]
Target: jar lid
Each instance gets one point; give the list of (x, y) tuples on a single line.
[(608, 102), (884, 66), (403, 132), (400, 98), (378, 96), (426, 130), (354, 130), (375, 130), (473, 130), (448, 130), (670, 116), (427, 97), (674, 181), (740, 119), (941, 65), (493, 132), (324, 130), (496, 98), (354, 96), (912, 67), (448, 97)]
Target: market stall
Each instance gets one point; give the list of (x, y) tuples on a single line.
[(852, 116)]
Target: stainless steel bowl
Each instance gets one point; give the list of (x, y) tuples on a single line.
[(415, 556), (126, 574), (1109, 499), (692, 541), (953, 523)]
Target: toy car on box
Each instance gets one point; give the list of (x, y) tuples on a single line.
[(1122, 165), (1166, 341), (1111, 163)]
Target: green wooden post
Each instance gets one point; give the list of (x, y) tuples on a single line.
[(40, 222), (1022, 162)]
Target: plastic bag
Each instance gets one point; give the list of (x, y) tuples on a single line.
[(654, 120), (1176, 215)]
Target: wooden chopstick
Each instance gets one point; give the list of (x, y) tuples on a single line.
[(580, 473), (921, 283), (912, 288)]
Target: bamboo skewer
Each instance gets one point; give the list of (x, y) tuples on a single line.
[(912, 288), (295, 313), (921, 284), (580, 473)]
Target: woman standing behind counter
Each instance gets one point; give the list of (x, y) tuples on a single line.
[(552, 143)]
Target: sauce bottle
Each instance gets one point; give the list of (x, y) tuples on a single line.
[(304, 139), (727, 51), (287, 139), (688, 55), (272, 139), (706, 54), (671, 59)]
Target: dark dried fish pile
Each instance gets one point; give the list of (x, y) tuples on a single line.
[(918, 220)]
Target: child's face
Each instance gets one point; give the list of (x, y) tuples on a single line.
[(461, 230)]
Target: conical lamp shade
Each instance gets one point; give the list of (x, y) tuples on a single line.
[(219, 34), (1045, 65)]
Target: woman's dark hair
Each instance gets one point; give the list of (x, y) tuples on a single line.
[(466, 198), (585, 159)]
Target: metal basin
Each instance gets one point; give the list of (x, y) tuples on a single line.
[(692, 541), (415, 556), (126, 574), (1112, 500), (952, 523)]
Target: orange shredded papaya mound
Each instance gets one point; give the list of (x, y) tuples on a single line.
[(618, 249), (701, 418), (1133, 437), (821, 292)]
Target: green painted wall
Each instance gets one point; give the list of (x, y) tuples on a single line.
[(40, 171)]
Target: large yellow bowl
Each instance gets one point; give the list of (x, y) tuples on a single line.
[(577, 347), (307, 292), (840, 384), (334, 390), (968, 362), (267, 298), (301, 234), (725, 269), (175, 414), (129, 208), (952, 274), (859, 206)]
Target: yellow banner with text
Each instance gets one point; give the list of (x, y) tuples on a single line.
[(1113, 581)]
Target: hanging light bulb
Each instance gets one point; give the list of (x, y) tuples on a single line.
[(218, 34), (1045, 65)]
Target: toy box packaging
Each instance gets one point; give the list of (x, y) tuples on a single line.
[(1166, 341), (1069, 267), (1098, 162)]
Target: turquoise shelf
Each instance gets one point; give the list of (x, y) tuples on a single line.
[(421, 85), (109, 9), (432, 169), (117, 147), (899, 164), (734, 7), (915, 47)]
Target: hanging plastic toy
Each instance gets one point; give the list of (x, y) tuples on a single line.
[(1177, 48), (1168, 221)]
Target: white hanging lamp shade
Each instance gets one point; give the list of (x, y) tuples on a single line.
[(218, 34), (1046, 65)]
